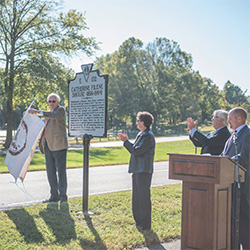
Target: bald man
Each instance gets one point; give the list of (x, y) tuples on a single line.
[(237, 118)]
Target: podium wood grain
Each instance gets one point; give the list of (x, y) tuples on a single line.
[(206, 199)]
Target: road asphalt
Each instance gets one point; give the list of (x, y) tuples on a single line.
[(103, 179)]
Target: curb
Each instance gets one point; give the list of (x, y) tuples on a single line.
[(172, 245)]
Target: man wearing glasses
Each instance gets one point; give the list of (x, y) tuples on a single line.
[(54, 144), (212, 143)]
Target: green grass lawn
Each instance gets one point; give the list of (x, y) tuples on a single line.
[(56, 226), (108, 156)]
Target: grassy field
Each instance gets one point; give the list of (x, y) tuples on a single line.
[(61, 226), (108, 156)]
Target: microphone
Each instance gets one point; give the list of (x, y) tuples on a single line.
[(235, 136)]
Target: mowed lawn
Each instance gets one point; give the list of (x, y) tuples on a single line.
[(62, 226)]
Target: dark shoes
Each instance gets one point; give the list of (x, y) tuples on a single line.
[(63, 201), (54, 200), (50, 200)]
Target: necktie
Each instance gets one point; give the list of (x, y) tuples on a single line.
[(231, 138)]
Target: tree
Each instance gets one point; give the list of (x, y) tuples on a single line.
[(158, 78), (234, 95), (186, 95), (36, 27), (210, 99), (145, 78), (41, 75), (165, 63), (121, 67)]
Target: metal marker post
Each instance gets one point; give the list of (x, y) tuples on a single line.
[(88, 97), (86, 142), (237, 186)]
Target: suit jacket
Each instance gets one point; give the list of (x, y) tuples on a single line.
[(142, 152), (243, 150), (56, 135), (212, 143)]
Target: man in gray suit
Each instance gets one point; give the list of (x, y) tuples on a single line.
[(240, 140), (141, 166), (54, 144)]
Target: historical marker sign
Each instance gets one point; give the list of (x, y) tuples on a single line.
[(88, 103)]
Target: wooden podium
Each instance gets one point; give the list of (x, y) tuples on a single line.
[(206, 199)]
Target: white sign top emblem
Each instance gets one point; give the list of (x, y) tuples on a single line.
[(86, 69)]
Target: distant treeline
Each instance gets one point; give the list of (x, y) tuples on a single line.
[(158, 77)]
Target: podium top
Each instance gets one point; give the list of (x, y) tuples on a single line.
[(204, 168)]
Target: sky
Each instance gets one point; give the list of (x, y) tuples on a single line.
[(215, 32)]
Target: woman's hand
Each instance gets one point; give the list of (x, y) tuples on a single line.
[(123, 137)]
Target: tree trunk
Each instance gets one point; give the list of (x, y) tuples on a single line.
[(9, 94), (9, 120), (133, 118)]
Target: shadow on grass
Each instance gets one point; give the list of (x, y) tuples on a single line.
[(26, 225), (98, 243), (59, 220), (151, 238), (99, 153), (78, 152), (95, 152)]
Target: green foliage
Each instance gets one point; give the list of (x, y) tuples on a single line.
[(33, 33), (158, 77), (41, 75), (234, 96), (140, 78), (60, 226), (210, 100)]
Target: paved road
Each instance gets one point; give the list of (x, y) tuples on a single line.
[(101, 180)]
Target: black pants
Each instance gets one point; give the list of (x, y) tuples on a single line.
[(244, 222), (56, 173), (141, 203)]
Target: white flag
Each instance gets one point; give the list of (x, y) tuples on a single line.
[(23, 145)]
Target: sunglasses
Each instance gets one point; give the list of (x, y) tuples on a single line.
[(53, 101)]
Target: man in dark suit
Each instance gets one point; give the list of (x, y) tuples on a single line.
[(212, 143), (237, 120), (141, 166), (54, 144)]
